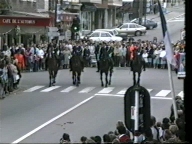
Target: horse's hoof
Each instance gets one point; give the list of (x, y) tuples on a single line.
[(49, 85), (102, 85), (53, 84), (79, 82), (109, 83), (105, 85), (73, 83)]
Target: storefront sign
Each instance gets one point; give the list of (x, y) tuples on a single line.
[(27, 21)]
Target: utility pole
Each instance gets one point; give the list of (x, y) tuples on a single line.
[(140, 11), (56, 2)]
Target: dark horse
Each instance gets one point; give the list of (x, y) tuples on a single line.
[(76, 70), (137, 64), (52, 65), (107, 68)]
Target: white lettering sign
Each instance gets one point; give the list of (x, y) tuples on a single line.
[(18, 21)]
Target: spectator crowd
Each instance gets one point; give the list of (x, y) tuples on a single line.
[(169, 130), (32, 58)]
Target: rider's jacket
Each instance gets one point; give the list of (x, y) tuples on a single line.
[(77, 50), (132, 50)]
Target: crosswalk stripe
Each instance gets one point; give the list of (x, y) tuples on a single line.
[(33, 88), (181, 94), (106, 90), (69, 89), (163, 93), (149, 90), (86, 90), (122, 92), (50, 88)]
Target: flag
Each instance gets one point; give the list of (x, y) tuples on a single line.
[(166, 38)]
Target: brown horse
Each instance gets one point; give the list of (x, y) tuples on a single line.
[(76, 70), (52, 65), (137, 64)]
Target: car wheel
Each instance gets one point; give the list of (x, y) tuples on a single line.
[(138, 33), (151, 27)]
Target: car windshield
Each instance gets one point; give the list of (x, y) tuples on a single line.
[(119, 25), (89, 33)]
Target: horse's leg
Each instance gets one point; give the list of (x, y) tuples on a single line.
[(73, 77), (101, 77), (55, 75), (110, 75), (79, 77), (50, 83), (138, 79), (134, 78), (106, 78)]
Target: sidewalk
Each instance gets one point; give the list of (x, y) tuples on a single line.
[(171, 13)]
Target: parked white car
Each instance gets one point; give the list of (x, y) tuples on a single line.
[(131, 28), (103, 36), (111, 31)]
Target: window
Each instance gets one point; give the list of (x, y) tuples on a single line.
[(95, 35), (105, 35), (124, 26), (132, 26), (111, 32)]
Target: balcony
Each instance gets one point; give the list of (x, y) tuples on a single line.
[(91, 1), (117, 3)]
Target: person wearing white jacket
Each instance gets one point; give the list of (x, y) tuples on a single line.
[(41, 54), (145, 57)]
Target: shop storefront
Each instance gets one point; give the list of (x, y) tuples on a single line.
[(20, 29), (87, 16)]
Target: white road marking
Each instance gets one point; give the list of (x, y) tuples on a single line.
[(163, 93), (181, 94), (176, 21), (33, 88), (52, 120), (106, 90), (149, 90), (122, 96), (87, 90), (69, 89), (122, 92), (50, 88)]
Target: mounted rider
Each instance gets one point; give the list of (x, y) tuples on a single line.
[(107, 52), (133, 49), (77, 51)]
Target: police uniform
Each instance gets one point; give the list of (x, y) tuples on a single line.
[(77, 51), (97, 55)]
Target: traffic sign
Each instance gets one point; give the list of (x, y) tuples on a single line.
[(53, 29), (53, 34), (144, 108)]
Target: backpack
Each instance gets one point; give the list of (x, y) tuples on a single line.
[(157, 129)]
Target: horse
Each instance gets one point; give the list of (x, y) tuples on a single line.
[(76, 67), (137, 64), (107, 68), (52, 65)]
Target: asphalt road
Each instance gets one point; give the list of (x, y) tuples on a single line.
[(23, 112)]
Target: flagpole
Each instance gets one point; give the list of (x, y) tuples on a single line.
[(172, 90)]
